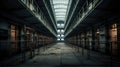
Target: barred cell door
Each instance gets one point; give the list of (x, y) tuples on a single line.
[(14, 39), (113, 39), (97, 44)]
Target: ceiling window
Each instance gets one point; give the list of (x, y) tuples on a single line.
[(60, 9)]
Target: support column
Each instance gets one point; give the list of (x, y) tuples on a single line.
[(23, 42), (107, 39), (78, 38), (93, 39)]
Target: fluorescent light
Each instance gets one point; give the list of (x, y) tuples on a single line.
[(62, 35), (58, 35), (60, 6), (60, 1), (60, 16), (62, 39), (58, 39), (58, 24), (58, 30), (62, 25), (62, 31), (60, 10)]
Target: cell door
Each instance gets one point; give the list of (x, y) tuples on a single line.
[(14, 38), (113, 39), (97, 44)]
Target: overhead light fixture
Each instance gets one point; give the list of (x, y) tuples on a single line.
[(60, 6), (58, 39), (58, 24), (62, 25), (60, 10), (62, 35), (58, 35), (58, 30), (62, 39), (62, 31), (60, 16)]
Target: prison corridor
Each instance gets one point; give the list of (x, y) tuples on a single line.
[(66, 55)]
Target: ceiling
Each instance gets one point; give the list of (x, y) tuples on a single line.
[(61, 14)]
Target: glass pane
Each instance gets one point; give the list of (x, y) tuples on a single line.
[(60, 13), (61, 16), (60, 8), (60, 1)]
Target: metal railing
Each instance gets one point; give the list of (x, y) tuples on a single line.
[(107, 58), (83, 14), (12, 53), (34, 8)]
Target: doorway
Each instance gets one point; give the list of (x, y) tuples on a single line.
[(113, 39), (15, 39)]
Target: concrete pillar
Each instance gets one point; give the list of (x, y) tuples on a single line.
[(107, 39), (9, 39), (93, 38), (22, 44)]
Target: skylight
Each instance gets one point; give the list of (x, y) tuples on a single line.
[(60, 1), (56, 6), (60, 14), (60, 9)]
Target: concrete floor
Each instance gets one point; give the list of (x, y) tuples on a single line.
[(63, 55)]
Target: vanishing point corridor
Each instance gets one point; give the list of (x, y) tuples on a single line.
[(59, 33)]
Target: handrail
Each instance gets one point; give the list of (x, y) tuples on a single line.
[(36, 12), (84, 15), (50, 15), (71, 15)]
